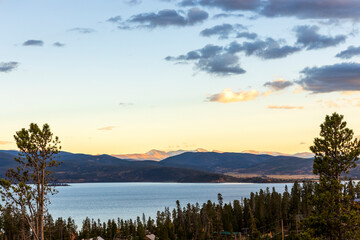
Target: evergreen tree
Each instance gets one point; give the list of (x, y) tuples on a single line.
[(335, 216)]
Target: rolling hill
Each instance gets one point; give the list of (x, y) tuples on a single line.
[(241, 163), (185, 167), (105, 168)]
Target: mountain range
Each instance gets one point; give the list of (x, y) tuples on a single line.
[(158, 155), (197, 166)]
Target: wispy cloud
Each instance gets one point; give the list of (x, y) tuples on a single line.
[(115, 19), (278, 84), (8, 66), (286, 107), (82, 30), (133, 2), (108, 128), (226, 15), (59, 44), (228, 96), (36, 43), (4, 142), (222, 31), (341, 102), (227, 5), (124, 104)]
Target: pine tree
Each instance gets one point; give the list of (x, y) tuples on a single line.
[(335, 154)]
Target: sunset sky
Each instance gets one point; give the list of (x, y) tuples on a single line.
[(127, 76)]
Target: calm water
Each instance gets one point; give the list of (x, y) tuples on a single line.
[(129, 200)]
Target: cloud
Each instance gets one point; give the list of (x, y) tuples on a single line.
[(227, 5), (248, 35), (220, 60), (223, 64), (4, 142), (298, 90), (124, 104), (205, 52), (108, 128), (187, 3), (212, 59), (58, 44), (350, 52), (169, 17), (82, 30), (228, 96), (278, 84), (226, 15), (331, 78), (116, 19), (8, 66), (37, 43), (133, 2), (222, 31), (285, 107), (324, 9), (308, 37), (265, 49)]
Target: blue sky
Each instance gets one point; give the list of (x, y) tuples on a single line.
[(129, 76)]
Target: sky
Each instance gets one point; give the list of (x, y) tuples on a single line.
[(127, 76)]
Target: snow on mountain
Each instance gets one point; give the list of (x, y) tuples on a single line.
[(155, 155), (158, 155)]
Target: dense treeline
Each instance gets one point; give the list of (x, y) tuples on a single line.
[(260, 216)]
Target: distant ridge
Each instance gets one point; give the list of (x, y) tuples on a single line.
[(199, 166), (105, 168), (300, 155), (158, 155)]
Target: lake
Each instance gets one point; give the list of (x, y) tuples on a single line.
[(129, 200)]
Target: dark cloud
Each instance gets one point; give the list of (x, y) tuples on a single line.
[(309, 37), (313, 9), (212, 59), (116, 19), (169, 17), (248, 35), (37, 43), (226, 15), (331, 78), (278, 85), (206, 52), (349, 52), (82, 30), (187, 3), (223, 31), (209, 57), (265, 49), (8, 66), (223, 64), (58, 44), (227, 5)]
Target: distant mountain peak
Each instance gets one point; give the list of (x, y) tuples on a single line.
[(156, 155)]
